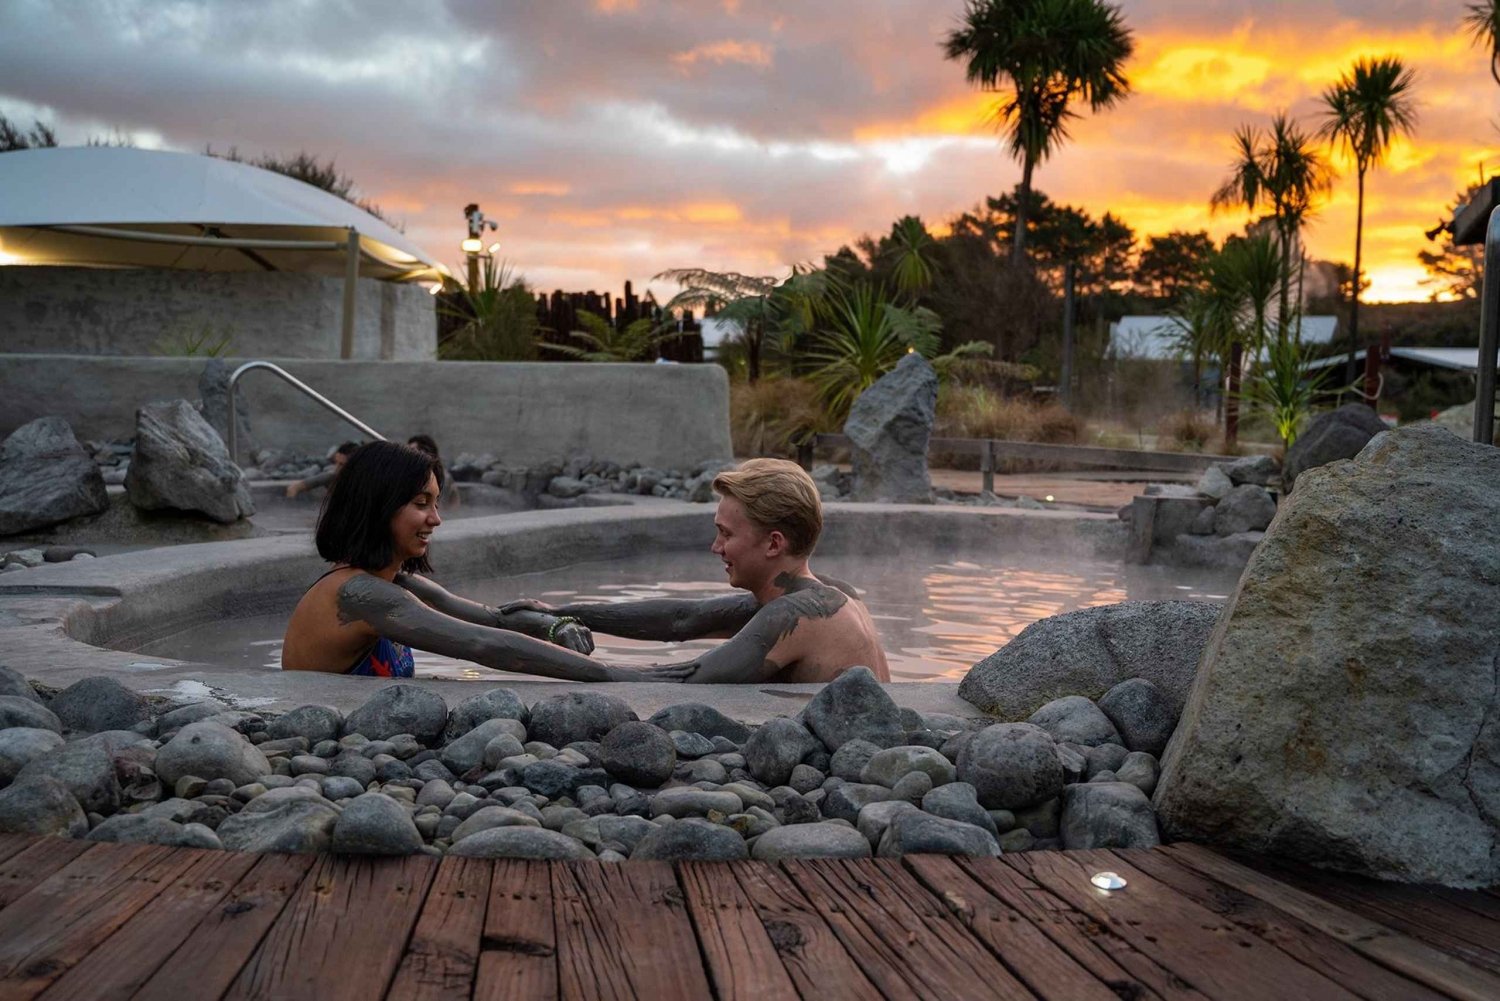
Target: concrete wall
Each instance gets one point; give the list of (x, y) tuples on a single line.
[(523, 413), (134, 311)]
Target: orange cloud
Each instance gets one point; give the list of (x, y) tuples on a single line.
[(727, 51), (552, 188)]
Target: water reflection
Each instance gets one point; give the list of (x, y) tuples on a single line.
[(936, 617)]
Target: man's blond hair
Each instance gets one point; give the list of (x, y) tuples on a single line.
[(778, 496)]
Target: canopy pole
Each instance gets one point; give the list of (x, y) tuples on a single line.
[(351, 280)]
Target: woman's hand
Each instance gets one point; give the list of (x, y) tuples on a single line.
[(574, 636), (656, 672), (527, 605)]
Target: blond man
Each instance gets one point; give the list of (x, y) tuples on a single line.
[(791, 625)]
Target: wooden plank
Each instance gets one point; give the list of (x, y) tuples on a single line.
[(742, 961), (443, 954), (1036, 960), (1216, 956), (11, 844), (1409, 956), (1080, 455), (342, 933), (118, 966), (623, 932), (520, 938), (1295, 937), (53, 927), (902, 935), (1107, 956), (1417, 911), (36, 862), (813, 956), (209, 959)]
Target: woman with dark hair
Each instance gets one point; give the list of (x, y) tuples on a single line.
[(449, 489), (366, 614)]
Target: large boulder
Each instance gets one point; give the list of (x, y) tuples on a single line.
[(1011, 766), (560, 720), (695, 717), (888, 430), (180, 464), (1246, 508), (400, 709), (20, 745), (1089, 651), (854, 706), (497, 703), (297, 826), (99, 703), (87, 771), (1346, 713), (41, 805), (776, 747), (1338, 434), (46, 477), (1107, 815), (638, 754), (210, 750)]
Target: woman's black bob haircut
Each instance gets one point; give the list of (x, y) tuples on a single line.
[(379, 479)]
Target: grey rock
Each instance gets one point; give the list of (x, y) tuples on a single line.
[(848, 762), (14, 684), (1140, 770), (180, 464), (1088, 651), (1075, 761), (1215, 483), (17, 711), (353, 765), (690, 840), (22, 744), (1011, 766), (1247, 508), (259, 799), (435, 793), (1338, 434), (86, 770), (1357, 726), (806, 778), (874, 818), (691, 745), (775, 748), (373, 824), (1141, 714), (561, 719), (521, 842), (689, 802), (823, 840), (295, 826), (890, 765), (1203, 522), (1076, 720), (627, 831), (640, 754), (468, 751), (210, 751), (846, 800), (1105, 758), (315, 723), (918, 833), (912, 786), (1261, 470), (487, 817), (309, 764), (750, 797), (1107, 815), (550, 778), (499, 748), (46, 477), (695, 717), (400, 709), (130, 828), (41, 805), (888, 428), (1042, 820), (853, 706), (497, 703), (99, 703), (193, 712), (1018, 840), (958, 801), (702, 770)]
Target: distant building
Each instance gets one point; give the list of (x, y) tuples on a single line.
[(1155, 338)]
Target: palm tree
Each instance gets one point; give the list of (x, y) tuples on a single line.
[(1277, 170), (1242, 279), (1364, 112), (1045, 54), (744, 299), (1483, 22)]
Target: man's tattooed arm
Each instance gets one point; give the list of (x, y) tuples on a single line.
[(759, 650), (532, 623), (660, 619)]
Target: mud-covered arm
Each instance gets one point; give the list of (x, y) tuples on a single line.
[(400, 615), (767, 644), (533, 623), (662, 619)]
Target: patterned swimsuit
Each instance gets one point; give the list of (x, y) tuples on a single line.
[(387, 659)]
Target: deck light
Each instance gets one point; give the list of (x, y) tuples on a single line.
[(472, 245), (493, 248), (1108, 880), (1049, 498)]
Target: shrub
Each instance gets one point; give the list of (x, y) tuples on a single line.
[(768, 417), (1185, 431), (970, 411)]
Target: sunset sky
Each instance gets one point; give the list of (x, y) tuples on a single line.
[(617, 138)]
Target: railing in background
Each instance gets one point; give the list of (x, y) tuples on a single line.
[(317, 397)]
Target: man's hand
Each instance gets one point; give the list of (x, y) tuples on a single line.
[(528, 605), (294, 488), (575, 636), (656, 672)]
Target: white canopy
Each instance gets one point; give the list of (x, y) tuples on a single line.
[(65, 205)]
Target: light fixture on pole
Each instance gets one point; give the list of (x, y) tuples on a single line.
[(474, 244)]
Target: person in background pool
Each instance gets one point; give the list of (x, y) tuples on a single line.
[(366, 615), (448, 488), (791, 626), (340, 456)]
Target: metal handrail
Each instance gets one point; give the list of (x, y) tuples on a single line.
[(1489, 334), (317, 397)]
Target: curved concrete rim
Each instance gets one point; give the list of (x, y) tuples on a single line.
[(63, 622)]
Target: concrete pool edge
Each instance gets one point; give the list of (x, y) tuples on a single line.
[(56, 621)]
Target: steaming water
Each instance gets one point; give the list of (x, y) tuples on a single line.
[(936, 617)]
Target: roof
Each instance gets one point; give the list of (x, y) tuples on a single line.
[(1154, 337), (1463, 359), (185, 195)]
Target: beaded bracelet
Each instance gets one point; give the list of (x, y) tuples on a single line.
[(557, 624)]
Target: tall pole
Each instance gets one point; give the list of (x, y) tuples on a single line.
[(351, 281), (1066, 389)]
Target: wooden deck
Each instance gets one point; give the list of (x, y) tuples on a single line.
[(84, 920)]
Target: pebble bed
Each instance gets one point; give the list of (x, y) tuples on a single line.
[(578, 776)]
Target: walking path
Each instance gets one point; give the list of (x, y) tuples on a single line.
[(85, 920)]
